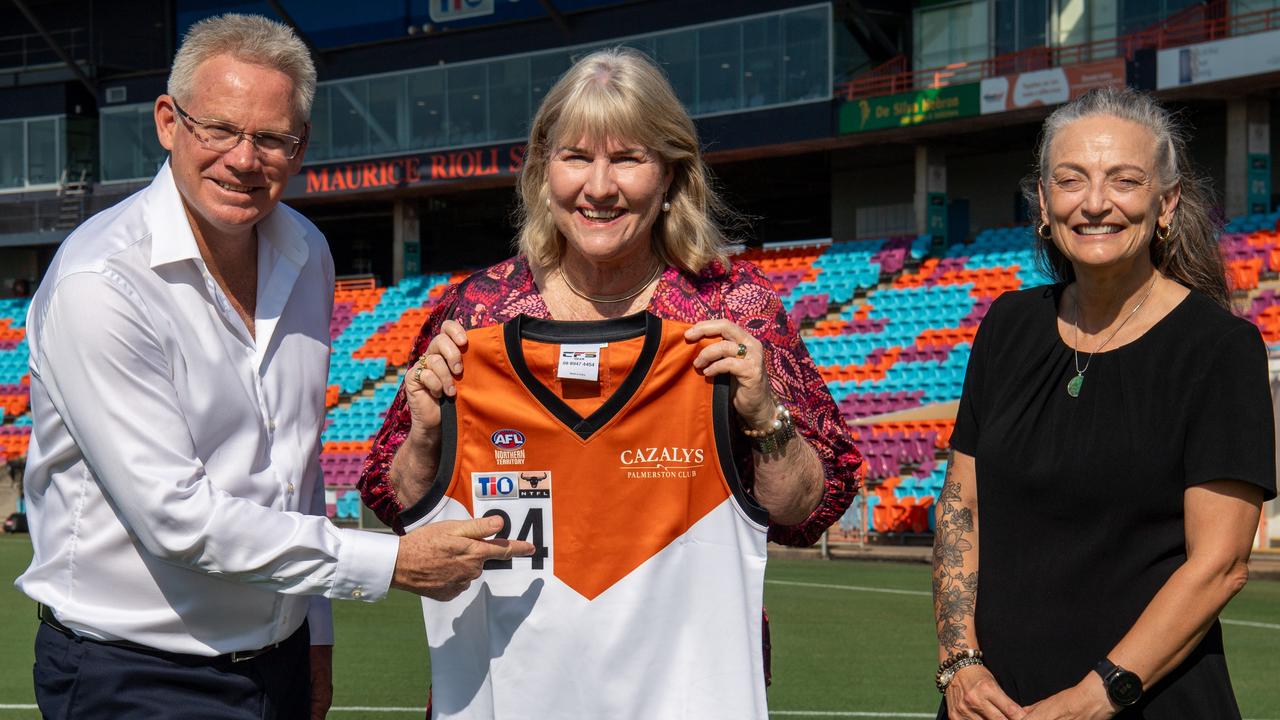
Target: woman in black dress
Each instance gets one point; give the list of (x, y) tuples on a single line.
[(1113, 447)]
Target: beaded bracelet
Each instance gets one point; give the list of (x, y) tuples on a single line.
[(776, 437), (952, 663), (946, 676)]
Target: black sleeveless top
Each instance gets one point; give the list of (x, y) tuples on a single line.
[(1080, 499)]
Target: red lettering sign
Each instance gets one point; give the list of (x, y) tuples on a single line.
[(317, 181)]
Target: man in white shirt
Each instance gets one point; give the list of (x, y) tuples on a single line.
[(179, 354)]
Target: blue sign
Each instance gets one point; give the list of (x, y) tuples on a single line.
[(449, 10)]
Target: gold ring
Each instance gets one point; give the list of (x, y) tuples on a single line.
[(742, 350), (417, 375)]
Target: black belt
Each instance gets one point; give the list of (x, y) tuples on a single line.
[(45, 613)]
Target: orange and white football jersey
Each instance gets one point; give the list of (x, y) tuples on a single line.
[(644, 597)]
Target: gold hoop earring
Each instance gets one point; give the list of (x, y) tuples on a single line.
[(1044, 232), (1163, 237)]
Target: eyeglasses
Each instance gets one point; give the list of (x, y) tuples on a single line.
[(220, 137)]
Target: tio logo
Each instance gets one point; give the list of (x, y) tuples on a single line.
[(492, 487)]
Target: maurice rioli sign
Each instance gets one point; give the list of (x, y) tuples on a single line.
[(407, 171)]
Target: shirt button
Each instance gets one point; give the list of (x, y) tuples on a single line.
[(290, 487), (271, 425), (357, 593)]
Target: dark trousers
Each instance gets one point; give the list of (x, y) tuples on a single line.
[(81, 679)]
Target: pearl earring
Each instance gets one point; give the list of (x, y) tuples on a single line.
[(666, 206), (548, 203)]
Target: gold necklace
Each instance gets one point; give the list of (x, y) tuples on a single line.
[(615, 299), (1077, 382)]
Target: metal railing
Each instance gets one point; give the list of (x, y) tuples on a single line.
[(1165, 35), (30, 49)]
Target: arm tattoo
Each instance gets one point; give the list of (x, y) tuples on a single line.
[(954, 592)]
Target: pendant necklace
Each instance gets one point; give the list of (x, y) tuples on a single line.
[(1077, 382)]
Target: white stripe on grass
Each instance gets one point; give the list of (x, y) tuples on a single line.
[(858, 588), (793, 713), (894, 591), (1250, 623)]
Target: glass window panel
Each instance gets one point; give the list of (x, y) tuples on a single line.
[(427, 110), (677, 53), (969, 32), (784, 57), (932, 38), (42, 152), (719, 68), (1006, 26), (1243, 7), (130, 149), (544, 70), (386, 108), (806, 59), (509, 99), (643, 44), (11, 154), (952, 34), (320, 143), (762, 62), (466, 97), (1033, 20), (349, 130)]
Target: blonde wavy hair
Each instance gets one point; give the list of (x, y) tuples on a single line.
[(620, 94)]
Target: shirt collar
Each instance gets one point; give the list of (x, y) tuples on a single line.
[(172, 240)]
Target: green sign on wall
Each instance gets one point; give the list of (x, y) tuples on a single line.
[(910, 108), (1259, 194)]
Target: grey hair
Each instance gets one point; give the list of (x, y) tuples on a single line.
[(1190, 254), (248, 38)]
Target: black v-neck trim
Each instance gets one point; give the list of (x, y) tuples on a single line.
[(557, 331)]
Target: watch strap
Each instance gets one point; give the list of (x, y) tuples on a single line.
[(1124, 687)]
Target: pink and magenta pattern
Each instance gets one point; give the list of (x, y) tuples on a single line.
[(741, 294)]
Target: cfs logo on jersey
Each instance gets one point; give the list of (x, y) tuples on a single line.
[(508, 446), (493, 486)]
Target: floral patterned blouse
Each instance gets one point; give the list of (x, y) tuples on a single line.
[(741, 294)]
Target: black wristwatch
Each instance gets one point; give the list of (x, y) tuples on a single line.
[(1123, 687)]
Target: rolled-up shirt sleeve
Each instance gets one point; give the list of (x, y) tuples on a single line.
[(107, 375)]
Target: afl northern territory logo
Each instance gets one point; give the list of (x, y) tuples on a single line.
[(508, 446)]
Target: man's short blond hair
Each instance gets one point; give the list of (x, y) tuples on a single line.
[(248, 38)]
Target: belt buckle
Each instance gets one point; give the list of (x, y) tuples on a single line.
[(243, 655)]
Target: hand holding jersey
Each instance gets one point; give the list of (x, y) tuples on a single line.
[(740, 355), (440, 561)]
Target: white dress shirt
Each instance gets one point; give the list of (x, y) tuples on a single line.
[(173, 481)]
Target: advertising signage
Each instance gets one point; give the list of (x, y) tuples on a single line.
[(407, 171), (909, 108), (1051, 86), (1219, 60)]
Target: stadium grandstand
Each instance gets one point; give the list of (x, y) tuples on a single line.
[(875, 146)]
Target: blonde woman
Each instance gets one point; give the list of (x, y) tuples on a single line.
[(618, 219)]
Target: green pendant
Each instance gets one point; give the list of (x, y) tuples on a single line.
[(1073, 385)]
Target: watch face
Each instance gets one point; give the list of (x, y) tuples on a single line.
[(1125, 688)]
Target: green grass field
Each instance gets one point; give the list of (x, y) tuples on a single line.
[(851, 639)]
